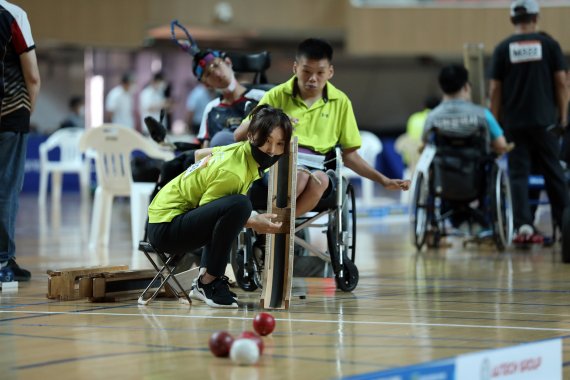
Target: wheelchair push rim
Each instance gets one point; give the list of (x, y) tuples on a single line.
[(341, 237), (419, 211), (244, 264), (501, 209)]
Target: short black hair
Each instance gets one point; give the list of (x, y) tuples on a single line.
[(264, 119), (75, 101), (158, 76), (315, 48), (452, 78), (126, 78), (432, 101), (524, 18)]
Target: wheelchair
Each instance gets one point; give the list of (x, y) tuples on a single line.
[(456, 170), (338, 205)]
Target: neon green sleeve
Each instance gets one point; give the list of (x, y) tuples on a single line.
[(349, 134)]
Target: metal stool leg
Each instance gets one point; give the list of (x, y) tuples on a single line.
[(147, 248)]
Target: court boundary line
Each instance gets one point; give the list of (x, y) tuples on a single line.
[(380, 323)]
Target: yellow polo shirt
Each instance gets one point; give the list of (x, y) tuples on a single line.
[(328, 122), (230, 169)]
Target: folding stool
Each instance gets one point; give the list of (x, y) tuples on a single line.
[(169, 264)]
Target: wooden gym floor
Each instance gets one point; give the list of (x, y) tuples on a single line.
[(408, 308)]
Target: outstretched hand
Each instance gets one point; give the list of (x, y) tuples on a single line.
[(397, 184), (262, 223)]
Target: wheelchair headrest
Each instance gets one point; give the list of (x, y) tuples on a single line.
[(261, 86), (474, 137), (256, 63)]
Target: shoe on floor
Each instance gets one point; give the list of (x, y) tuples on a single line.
[(195, 282), (20, 274), (215, 294)]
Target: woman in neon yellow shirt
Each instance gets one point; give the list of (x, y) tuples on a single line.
[(207, 206)]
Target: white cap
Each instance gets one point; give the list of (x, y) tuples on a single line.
[(524, 7)]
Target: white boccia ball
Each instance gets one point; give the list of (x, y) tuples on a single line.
[(244, 352)]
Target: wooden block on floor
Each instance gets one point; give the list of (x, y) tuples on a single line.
[(117, 286), (63, 284)]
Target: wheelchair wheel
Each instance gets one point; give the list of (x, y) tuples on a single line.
[(348, 280), (501, 208), (341, 238), (419, 212), (242, 262), (566, 235)]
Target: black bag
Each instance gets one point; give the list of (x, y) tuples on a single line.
[(145, 169)]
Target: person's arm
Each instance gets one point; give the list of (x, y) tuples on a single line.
[(31, 74), (561, 92), (262, 223), (495, 93), (201, 153), (352, 160), (218, 187), (498, 141), (240, 133), (500, 145)]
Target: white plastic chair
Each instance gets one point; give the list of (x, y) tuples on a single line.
[(70, 161), (113, 146), (370, 149)]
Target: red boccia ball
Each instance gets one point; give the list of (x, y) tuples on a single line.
[(220, 343), (264, 324), (253, 336)]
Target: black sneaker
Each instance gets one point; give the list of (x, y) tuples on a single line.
[(230, 285), (215, 294), (195, 283), (20, 274)]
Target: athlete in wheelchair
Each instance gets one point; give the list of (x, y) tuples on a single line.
[(334, 214), (459, 176), (327, 132), (216, 69)]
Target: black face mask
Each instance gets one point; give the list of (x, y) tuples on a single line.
[(263, 159)]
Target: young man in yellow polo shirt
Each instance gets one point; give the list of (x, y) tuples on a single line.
[(323, 117)]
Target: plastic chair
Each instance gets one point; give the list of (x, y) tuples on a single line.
[(70, 161), (370, 149), (114, 145)]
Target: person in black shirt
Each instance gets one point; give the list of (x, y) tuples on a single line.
[(528, 96)]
